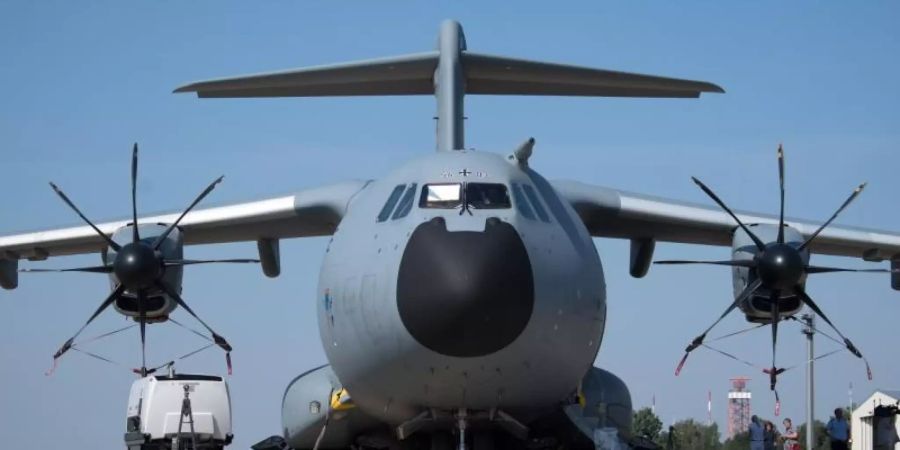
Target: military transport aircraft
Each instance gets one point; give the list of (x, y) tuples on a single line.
[(461, 300)]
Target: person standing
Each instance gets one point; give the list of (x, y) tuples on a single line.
[(838, 430), (757, 436), (790, 436), (768, 436)]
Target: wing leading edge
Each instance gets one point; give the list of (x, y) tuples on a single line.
[(608, 212), (308, 213)]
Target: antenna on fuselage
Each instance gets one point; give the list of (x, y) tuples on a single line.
[(449, 73)]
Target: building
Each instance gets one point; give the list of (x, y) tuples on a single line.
[(738, 406), (867, 430)]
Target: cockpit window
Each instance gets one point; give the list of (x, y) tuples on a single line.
[(521, 202), (390, 203), (445, 196), (487, 196), (406, 202), (536, 202), (474, 195)]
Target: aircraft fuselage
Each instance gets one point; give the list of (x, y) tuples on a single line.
[(461, 280)]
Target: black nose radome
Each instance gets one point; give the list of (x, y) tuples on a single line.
[(465, 293)]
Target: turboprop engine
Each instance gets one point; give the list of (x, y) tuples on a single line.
[(770, 263), (157, 303), (757, 308), (144, 263)]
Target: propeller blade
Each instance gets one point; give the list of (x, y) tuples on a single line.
[(732, 262), (852, 196), (187, 262), (759, 244), (781, 184), (162, 237), (108, 301), (62, 195), (219, 340), (698, 341), (776, 317), (142, 318), (818, 269), (94, 269), (134, 164), (813, 306)]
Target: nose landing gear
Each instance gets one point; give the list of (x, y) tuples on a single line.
[(461, 426), (464, 429)]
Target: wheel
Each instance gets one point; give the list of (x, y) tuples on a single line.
[(483, 440), (442, 440)]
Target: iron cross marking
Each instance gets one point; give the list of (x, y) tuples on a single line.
[(465, 172)]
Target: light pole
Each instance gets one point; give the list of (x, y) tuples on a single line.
[(808, 330)]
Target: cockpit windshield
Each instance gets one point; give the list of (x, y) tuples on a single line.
[(473, 195), (487, 196), (445, 196)]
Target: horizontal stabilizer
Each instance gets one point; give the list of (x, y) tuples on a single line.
[(403, 75), (449, 73), (482, 74), (486, 74)]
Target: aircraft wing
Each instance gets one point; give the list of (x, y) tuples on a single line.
[(610, 212), (311, 212)]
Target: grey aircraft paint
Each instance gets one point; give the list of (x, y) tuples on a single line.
[(389, 371), (458, 310)]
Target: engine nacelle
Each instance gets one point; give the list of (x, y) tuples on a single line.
[(158, 305), (757, 308)]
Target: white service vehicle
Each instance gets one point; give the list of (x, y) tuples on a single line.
[(157, 409)]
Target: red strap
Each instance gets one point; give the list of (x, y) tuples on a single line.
[(681, 364), (52, 369), (777, 404)]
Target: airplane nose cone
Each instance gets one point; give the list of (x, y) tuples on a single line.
[(465, 293)]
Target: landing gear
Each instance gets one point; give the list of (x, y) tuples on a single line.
[(461, 425), (483, 440), (465, 429), (477, 440), (441, 440)]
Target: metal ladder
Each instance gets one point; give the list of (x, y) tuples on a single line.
[(187, 417)]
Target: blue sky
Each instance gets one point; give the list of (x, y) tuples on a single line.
[(81, 81)]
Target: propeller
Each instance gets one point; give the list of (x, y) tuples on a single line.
[(139, 267), (777, 270)]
